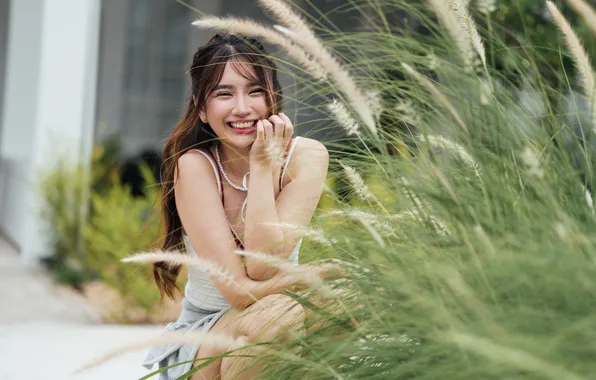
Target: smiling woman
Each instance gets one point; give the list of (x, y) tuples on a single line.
[(235, 105), (233, 175)]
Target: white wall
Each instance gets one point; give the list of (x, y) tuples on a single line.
[(49, 106), (4, 13)]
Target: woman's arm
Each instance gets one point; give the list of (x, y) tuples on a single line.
[(295, 205), (199, 206)]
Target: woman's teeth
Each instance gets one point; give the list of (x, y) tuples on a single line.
[(245, 125)]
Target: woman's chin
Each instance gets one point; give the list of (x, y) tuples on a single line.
[(241, 140)]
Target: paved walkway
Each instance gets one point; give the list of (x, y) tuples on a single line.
[(48, 333), (54, 351), (27, 294)]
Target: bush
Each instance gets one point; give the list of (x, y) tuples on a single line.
[(89, 238), (118, 226), (62, 191)]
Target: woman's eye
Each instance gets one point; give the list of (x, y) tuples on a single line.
[(222, 94), (257, 90)]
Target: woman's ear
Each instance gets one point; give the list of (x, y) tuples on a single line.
[(203, 116), (202, 113)]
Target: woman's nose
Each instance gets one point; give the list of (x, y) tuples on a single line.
[(242, 106)]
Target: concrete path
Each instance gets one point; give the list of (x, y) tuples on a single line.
[(28, 294), (53, 351), (48, 333)]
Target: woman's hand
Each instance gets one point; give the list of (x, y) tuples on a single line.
[(273, 135), (329, 269), (337, 268)]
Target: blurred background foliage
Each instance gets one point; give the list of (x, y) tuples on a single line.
[(526, 24), (97, 218)]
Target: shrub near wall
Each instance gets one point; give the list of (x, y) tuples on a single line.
[(119, 225), (62, 191), (89, 239)]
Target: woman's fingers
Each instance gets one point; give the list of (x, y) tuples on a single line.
[(279, 126), (289, 127), (268, 129), (260, 130)]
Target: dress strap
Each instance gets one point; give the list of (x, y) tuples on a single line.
[(220, 187), (212, 162), (289, 152)]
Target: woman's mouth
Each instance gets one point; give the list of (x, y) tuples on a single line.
[(243, 127)]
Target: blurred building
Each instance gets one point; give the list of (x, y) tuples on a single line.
[(74, 71)]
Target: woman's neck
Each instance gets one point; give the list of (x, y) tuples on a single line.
[(235, 162)]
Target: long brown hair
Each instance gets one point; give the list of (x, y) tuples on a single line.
[(250, 59)]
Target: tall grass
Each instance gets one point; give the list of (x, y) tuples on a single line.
[(476, 240)]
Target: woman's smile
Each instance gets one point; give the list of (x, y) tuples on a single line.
[(243, 127)]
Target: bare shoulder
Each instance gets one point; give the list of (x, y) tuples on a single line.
[(309, 154), (307, 146), (311, 151), (193, 165)]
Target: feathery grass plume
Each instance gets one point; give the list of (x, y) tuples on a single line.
[(589, 199), (486, 6), (485, 92), (307, 38), (375, 103), (435, 91), (448, 19), (376, 221), (287, 31), (468, 27), (275, 152), (422, 207), (441, 142), (407, 113), (182, 259), (580, 57), (410, 194), (357, 182), (315, 235), (251, 28), (215, 339), (438, 225), (509, 356), (342, 115), (585, 11), (532, 161), (286, 15), (432, 61), (371, 230)]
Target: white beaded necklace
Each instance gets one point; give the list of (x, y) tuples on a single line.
[(244, 187)]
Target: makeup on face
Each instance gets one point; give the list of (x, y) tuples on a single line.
[(234, 107)]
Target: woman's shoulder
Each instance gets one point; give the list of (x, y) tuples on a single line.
[(307, 146), (195, 161), (309, 153), (195, 157)]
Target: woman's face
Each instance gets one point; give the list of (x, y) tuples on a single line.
[(234, 107)]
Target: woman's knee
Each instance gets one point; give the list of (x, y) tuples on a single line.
[(280, 314), (285, 309)]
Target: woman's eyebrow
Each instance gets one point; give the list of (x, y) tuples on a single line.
[(229, 86), (223, 86)]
